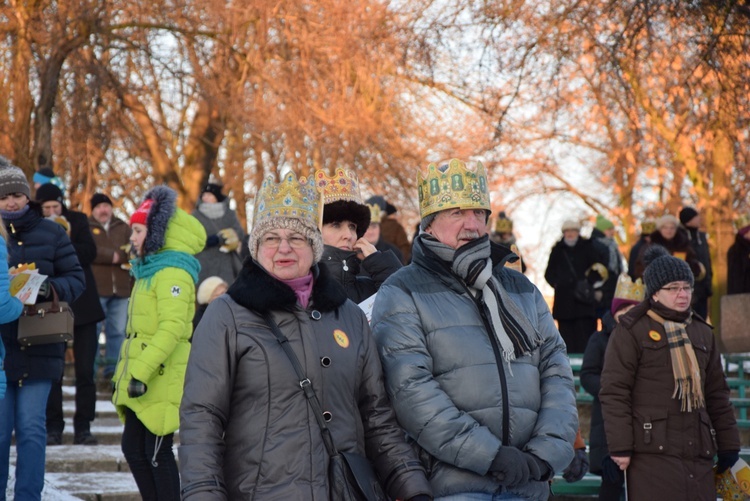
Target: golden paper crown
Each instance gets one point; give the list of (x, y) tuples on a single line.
[(742, 221), (503, 225), (376, 215), (342, 186), (289, 198), (648, 226), (627, 289), (452, 186)]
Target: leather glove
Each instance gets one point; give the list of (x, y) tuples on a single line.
[(213, 241), (612, 472), (578, 467), (229, 240), (136, 388), (726, 460)]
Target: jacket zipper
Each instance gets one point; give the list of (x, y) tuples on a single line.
[(127, 344), (499, 362)]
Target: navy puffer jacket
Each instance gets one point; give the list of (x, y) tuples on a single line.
[(451, 394), (33, 239)]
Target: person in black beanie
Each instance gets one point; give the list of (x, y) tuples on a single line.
[(88, 312), (691, 220), (664, 397)]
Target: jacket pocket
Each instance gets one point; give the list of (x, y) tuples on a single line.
[(702, 356), (650, 431), (654, 353), (707, 434)]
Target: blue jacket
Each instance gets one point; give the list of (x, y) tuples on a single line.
[(33, 239), (10, 307), (452, 396)]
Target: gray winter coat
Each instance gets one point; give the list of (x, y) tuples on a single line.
[(246, 428), (214, 262), (453, 396)]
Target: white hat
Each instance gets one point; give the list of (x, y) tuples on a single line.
[(569, 224), (207, 287)]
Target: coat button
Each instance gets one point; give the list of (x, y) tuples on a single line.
[(661, 447), (690, 442), (315, 315), (325, 361), (327, 416)]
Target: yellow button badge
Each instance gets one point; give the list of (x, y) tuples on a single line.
[(654, 335), (341, 338)]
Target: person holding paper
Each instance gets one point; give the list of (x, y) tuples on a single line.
[(31, 371), (345, 221), (10, 307)]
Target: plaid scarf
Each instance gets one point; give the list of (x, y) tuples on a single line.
[(687, 374), (472, 263)]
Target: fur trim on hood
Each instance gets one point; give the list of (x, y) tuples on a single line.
[(159, 215), (327, 294)]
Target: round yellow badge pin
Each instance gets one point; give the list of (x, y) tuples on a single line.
[(96, 231), (341, 338), (654, 335)]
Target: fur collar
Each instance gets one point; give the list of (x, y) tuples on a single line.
[(158, 217), (257, 290)]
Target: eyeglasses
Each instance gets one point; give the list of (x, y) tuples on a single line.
[(274, 241), (677, 289)]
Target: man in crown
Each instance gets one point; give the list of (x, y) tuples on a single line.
[(475, 368)]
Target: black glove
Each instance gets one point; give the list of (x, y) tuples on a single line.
[(213, 241), (512, 467), (726, 460), (136, 388), (420, 497), (578, 467), (612, 472), (593, 276)]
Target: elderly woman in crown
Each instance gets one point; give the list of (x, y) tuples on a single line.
[(247, 429)]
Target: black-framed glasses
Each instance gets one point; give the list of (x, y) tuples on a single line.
[(676, 289), (274, 241)]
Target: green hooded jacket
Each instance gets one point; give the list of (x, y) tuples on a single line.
[(160, 313)]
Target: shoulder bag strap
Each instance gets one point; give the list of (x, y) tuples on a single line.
[(570, 264), (304, 383)]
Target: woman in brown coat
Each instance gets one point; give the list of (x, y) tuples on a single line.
[(664, 397)]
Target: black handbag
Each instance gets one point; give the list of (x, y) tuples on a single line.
[(583, 291), (46, 323), (350, 475)]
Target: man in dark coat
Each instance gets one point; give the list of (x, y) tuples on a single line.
[(390, 229), (691, 220), (112, 275), (648, 226), (738, 259), (571, 260), (88, 311), (603, 236)]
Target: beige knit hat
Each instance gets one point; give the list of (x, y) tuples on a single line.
[(207, 288)]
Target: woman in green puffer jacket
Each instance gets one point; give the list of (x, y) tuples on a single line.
[(149, 376)]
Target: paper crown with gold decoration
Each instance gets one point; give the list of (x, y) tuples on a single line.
[(648, 226), (452, 186), (293, 198), (627, 289), (503, 224), (376, 215), (342, 186), (742, 222)]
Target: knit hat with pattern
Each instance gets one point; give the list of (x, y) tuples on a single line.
[(12, 179), (663, 268)]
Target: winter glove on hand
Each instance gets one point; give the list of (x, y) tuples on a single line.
[(726, 460), (511, 466), (136, 388), (612, 472), (62, 221), (593, 277), (420, 497), (213, 241), (578, 467), (230, 240)]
